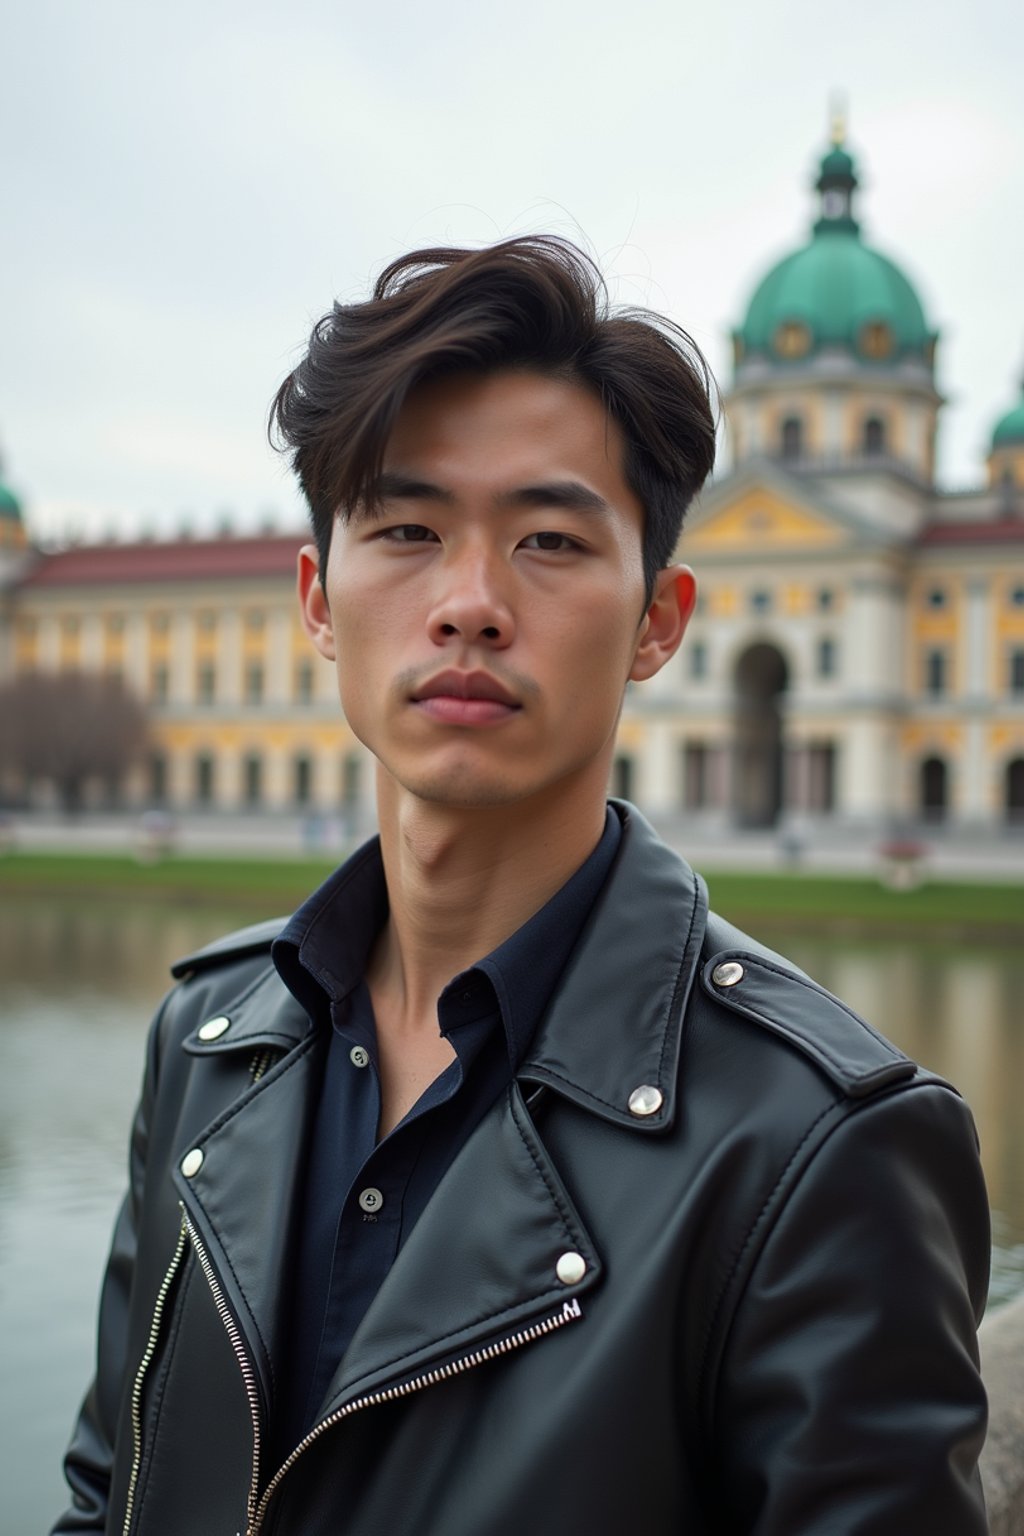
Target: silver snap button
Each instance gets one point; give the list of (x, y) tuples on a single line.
[(358, 1057), (371, 1200), (571, 1268), (214, 1028), (645, 1100), (192, 1162), (727, 974)]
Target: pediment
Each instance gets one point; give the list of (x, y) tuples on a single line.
[(759, 518), (763, 509)]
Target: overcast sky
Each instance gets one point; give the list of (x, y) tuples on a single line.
[(186, 188)]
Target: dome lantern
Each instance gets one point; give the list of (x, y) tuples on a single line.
[(836, 183)]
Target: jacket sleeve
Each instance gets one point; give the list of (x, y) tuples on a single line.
[(850, 1398), (89, 1458)]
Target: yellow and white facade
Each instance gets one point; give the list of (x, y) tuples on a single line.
[(856, 658), (857, 655)]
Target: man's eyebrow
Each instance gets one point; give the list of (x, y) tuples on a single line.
[(572, 495), (392, 485)]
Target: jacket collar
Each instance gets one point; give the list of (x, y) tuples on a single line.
[(583, 1049), (615, 1024)]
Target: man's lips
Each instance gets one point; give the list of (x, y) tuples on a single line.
[(465, 698)]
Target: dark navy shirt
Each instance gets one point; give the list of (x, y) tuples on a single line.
[(362, 1197)]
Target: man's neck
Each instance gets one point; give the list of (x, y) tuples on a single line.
[(460, 882)]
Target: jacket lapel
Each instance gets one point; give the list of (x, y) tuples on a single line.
[(241, 1200), (616, 1021), (480, 1264)]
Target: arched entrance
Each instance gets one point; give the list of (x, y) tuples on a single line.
[(934, 788), (761, 679)]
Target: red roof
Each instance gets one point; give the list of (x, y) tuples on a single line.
[(1003, 530), (231, 559)]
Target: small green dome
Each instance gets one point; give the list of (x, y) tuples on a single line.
[(10, 506), (1009, 429), (835, 291)]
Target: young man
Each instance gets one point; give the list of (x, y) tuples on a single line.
[(503, 1189)]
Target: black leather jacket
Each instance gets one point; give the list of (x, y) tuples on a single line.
[(750, 1309)]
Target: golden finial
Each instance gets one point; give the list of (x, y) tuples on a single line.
[(837, 115)]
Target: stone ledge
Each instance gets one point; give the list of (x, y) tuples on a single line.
[(1002, 1460)]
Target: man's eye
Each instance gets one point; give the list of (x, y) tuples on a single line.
[(553, 542), (409, 533)]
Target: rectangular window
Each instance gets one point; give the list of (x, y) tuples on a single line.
[(304, 682), (935, 668), (826, 657), (696, 776), (698, 660), (821, 776), (1017, 672), (159, 685), (204, 778), (761, 602), (254, 683), (351, 781), (253, 779), (303, 780), (206, 683)]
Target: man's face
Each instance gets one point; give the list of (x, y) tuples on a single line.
[(485, 618)]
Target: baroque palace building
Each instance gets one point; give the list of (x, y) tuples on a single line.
[(857, 655)]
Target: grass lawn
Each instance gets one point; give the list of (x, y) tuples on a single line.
[(837, 904)]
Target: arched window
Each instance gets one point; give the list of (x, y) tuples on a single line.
[(934, 789), (792, 437), (1015, 789), (874, 436)]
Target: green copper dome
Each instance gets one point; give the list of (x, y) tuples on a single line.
[(835, 291), (10, 507), (1009, 429)]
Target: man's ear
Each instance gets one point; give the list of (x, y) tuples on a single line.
[(316, 615), (664, 623)]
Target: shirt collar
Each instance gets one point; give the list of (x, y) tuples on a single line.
[(322, 951)]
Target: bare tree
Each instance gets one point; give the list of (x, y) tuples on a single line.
[(69, 727)]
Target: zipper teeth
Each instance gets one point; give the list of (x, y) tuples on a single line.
[(261, 1063), (569, 1313), (140, 1375), (235, 1340)]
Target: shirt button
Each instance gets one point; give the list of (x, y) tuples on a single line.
[(371, 1199), (358, 1057)]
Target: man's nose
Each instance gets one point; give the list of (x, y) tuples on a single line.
[(472, 601)]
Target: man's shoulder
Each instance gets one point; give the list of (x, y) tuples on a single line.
[(765, 988), (243, 944)]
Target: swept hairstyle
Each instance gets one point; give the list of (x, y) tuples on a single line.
[(533, 302)]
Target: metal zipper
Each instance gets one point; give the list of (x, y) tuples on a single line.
[(261, 1062), (244, 1365), (569, 1313), (140, 1374)]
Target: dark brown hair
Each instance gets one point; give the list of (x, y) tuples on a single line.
[(536, 302)]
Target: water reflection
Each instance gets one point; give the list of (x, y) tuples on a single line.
[(78, 984), (956, 1011)]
